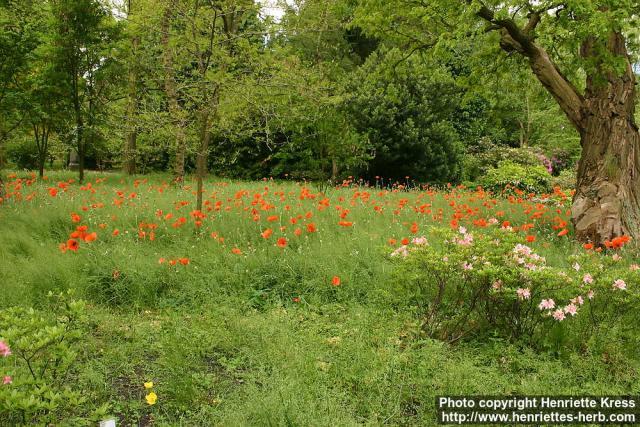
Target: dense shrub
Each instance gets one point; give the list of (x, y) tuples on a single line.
[(491, 285), (24, 154), (38, 352), (513, 175), (565, 180)]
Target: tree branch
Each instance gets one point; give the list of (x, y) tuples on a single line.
[(521, 40)]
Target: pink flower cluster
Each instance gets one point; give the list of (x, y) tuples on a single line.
[(525, 256), (467, 238), (404, 249), (5, 351)]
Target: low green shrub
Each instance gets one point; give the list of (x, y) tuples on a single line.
[(491, 285), (38, 354), (565, 180), (532, 179)]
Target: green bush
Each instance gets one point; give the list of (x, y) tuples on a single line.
[(512, 175), (24, 154), (490, 285), (38, 354), (565, 180)]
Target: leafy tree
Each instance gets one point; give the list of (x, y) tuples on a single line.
[(581, 53), (83, 31)]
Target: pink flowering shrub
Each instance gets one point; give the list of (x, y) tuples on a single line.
[(466, 285)]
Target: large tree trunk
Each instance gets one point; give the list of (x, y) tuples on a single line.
[(606, 202), (172, 93)]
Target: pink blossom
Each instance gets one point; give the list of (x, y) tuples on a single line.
[(5, 351), (547, 304), (587, 278), (462, 230), (497, 284), (616, 257), (402, 250), (590, 294), (420, 241), (571, 309), (634, 267), (7, 380), (523, 293), (558, 315), (466, 240), (467, 266), (619, 284), (578, 300), (493, 221)]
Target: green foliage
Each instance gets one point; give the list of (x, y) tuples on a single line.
[(565, 180), (42, 364), (508, 174), (23, 154), (489, 285), (406, 114)]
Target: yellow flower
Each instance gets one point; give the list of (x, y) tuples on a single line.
[(151, 398), (148, 385)]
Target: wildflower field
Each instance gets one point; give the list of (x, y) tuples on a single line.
[(282, 303)]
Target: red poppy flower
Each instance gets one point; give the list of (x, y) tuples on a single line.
[(531, 238), (183, 261), (311, 228), (266, 233), (72, 245), (282, 242), (53, 192), (335, 281)]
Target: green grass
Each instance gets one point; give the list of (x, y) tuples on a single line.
[(223, 339)]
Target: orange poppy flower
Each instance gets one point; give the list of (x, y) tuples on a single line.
[(72, 245), (335, 281)]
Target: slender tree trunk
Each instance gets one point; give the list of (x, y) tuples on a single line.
[(172, 93), (210, 112), (132, 112), (201, 162), (42, 144)]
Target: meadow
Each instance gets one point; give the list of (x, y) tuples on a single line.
[(283, 303)]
